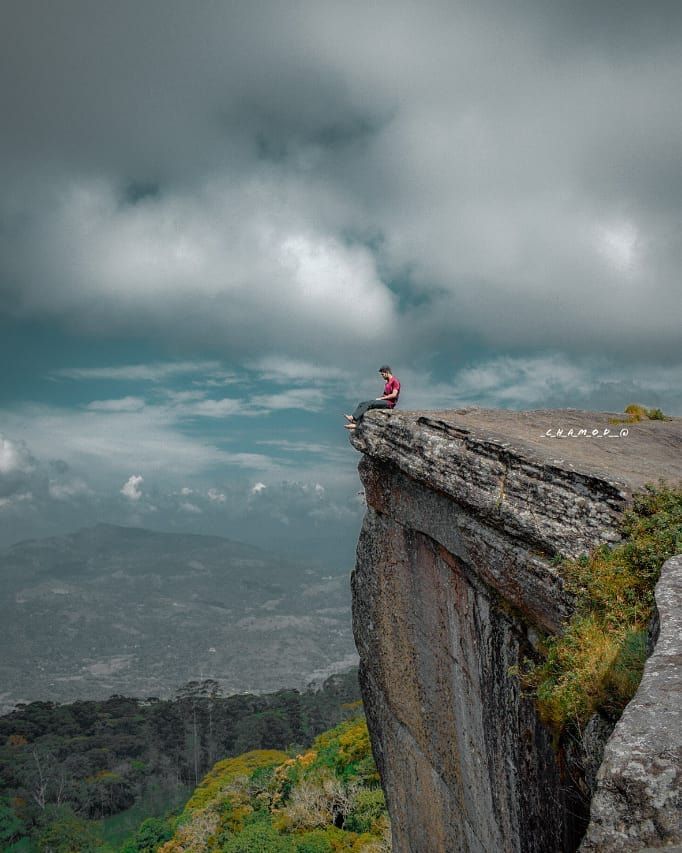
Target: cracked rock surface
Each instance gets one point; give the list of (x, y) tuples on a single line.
[(453, 585)]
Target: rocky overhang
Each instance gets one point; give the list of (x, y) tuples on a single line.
[(454, 581)]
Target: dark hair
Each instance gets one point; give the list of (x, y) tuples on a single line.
[(385, 369)]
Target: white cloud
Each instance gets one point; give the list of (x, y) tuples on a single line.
[(13, 500), (153, 372), (95, 447), (305, 399), (131, 488), (258, 461), (290, 370), (365, 183), (521, 381), (340, 280), (618, 243), (330, 451), (291, 503), (213, 408), (550, 380), (18, 469), (177, 404), (104, 443), (279, 276), (196, 405), (124, 404), (364, 177), (14, 458), (219, 378), (62, 491), (180, 397)]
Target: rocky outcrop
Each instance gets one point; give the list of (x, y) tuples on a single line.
[(638, 801), (453, 584)]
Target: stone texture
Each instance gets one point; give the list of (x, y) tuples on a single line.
[(463, 758), (548, 508), (638, 801), (452, 585), (523, 577)]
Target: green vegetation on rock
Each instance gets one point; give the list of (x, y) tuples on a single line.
[(323, 800), (597, 663), (636, 413)]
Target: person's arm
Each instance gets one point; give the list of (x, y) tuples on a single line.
[(394, 393)]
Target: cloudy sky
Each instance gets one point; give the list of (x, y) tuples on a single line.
[(218, 219)]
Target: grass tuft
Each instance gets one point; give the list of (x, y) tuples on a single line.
[(597, 663), (636, 413)]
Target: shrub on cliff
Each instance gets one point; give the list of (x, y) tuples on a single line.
[(636, 413), (368, 810), (258, 838), (324, 800), (597, 663), (153, 832)]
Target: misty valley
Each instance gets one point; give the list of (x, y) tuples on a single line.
[(135, 612), (135, 660)]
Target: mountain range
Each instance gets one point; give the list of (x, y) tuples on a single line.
[(138, 612)]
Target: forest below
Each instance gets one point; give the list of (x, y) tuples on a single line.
[(99, 760)]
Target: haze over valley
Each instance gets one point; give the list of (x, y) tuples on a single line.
[(131, 611)]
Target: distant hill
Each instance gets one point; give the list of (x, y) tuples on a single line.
[(126, 610)]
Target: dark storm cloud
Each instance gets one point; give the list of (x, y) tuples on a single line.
[(165, 89), (613, 27), (317, 179)]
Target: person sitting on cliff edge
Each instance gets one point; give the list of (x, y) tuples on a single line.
[(387, 401)]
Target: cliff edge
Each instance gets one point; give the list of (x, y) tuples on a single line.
[(454, 583)]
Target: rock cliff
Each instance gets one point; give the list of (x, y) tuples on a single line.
[(453, 584), (638, 799)]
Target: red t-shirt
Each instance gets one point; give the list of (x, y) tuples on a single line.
[(392, 385)]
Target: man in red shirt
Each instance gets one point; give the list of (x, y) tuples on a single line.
[(387, 401)]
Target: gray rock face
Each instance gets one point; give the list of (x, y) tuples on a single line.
[(461, 754), (452, 585), (638, 801), (553, 507)]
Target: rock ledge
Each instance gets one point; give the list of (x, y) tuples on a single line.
[(453, 582)]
